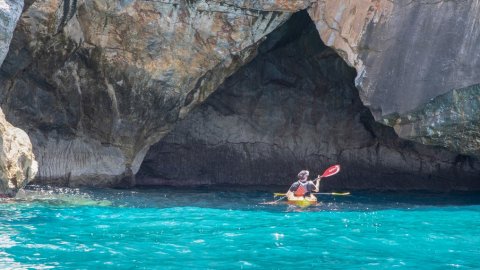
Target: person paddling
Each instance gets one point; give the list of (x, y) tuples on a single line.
[(303, 190), (303, 187)]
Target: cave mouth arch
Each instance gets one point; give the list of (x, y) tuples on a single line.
[(294, 107)]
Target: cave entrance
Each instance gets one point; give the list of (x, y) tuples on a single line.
[(293, 107)]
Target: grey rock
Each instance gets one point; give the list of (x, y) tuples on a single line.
[(407, 53), (422, 51)]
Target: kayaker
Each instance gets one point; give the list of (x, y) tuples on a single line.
[(303, 187)]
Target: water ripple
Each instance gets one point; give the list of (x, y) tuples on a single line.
[(157, 229)]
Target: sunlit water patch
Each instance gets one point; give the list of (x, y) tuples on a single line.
[(205, 229)]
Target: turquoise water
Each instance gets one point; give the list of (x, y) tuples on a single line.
[(205, 229)]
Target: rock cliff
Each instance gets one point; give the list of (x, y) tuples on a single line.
[(295, 107), (406, 53), (95, 83), (17, 162)]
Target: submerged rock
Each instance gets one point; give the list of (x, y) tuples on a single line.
[(95, 83), (295, 107), (17, 162), (59, 197), (407, 53)]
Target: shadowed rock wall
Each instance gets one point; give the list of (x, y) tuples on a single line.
[(295, 107)]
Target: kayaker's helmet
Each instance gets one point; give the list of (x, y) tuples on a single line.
[(303, 175)]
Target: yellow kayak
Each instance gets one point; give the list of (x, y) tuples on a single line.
[(302, 201)]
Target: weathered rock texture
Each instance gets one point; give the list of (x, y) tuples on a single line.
[(10, 11), (406, 53), (451, 120), (95, 83), (295, 107), (17, 162)]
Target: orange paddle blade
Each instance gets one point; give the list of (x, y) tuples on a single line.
[(331, 171)]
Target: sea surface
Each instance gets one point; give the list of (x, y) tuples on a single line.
[(47, 228)]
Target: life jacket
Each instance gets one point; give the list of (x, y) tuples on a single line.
[(301, 190)]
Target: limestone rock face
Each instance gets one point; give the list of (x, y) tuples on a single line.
[(17, 162), (405, 52), (295, 107), (95, 83), (10, 11)]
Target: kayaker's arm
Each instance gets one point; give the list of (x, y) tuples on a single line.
[(290, 194)]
